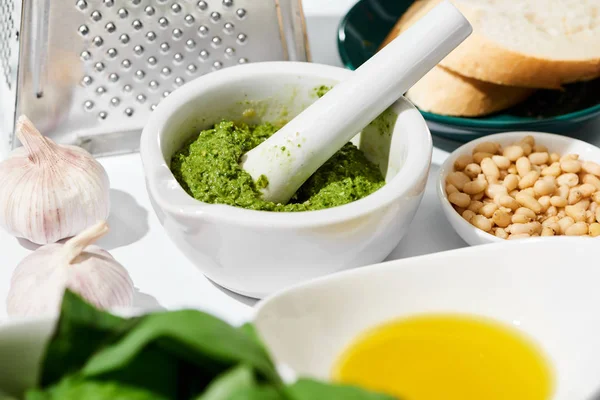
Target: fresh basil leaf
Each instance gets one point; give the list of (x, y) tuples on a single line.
[(236, 379), (260, 393), (79, 389), (154, 370), (81, 330), (307, 389), (193, 336)]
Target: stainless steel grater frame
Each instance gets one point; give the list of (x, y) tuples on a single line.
[(89, 72)]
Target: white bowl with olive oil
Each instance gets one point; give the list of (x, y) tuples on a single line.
[(535, 299)]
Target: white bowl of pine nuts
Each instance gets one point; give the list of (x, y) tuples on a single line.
[(518, 185)]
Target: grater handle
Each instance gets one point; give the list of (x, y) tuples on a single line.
[(294, 153), (40, 15)]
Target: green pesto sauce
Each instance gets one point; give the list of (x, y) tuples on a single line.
[(321, 90), (207, 168)]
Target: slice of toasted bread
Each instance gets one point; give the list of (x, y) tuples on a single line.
[(445, 92), (528, 43)]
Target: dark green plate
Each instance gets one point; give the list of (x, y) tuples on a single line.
[(367, 24)]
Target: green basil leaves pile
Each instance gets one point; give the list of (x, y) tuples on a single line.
[(187, 355)]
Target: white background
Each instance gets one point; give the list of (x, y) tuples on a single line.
[(163, 277)]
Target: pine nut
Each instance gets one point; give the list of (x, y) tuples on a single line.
[(590, 218), (486, 147), (450, 188), (529, 179), (520, 219), (570, 166), (477, 196), (568, 179), (472, 170), (577, 214), (539, 158), (508, 202), (501, 233), (551, 211), (550, 221), (567, 157), (462, 161), (554, 157), (591, 168), (548, 232), (529, 228), (596, 197), (459, 210), (598, 214), (475, 187), (527, 148), (575, 196), (468, 215), (544, 188), (460, 199), (540, 148), (478, 157), (583, 204), (489, 168), (511, 182), (529, 192), (529, 140), (592, 179), (488, 210), (519, 236), (475, 206), (513, 153), (501, 218), (563, 191), (565, 223), (458, 179), (529, 201), (526, 211), (545, 202), (481, 222), (494, 190), (577, 229), (594, 229), (523, 166), (587, 189), (553, 170), (501, 162)]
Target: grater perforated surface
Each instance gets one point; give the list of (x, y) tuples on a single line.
[(107, 64), (7, 29), (147, 49)]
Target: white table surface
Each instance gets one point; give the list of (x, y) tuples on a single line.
[(163, 277)]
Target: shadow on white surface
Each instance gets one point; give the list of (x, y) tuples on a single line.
[(249, 301), (128, 221), (430, 231), (146, 302), (26, 244)]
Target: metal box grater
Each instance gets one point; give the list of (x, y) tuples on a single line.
[(89, 72)]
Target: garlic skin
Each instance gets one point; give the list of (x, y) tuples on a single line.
[(49, 192), (39, 281)]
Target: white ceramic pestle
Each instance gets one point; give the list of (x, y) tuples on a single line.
[(289, 157)]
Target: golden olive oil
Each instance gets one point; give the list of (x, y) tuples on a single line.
[(446, 357)]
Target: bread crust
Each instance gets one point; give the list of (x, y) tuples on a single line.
[(444, 92), (479, 58)]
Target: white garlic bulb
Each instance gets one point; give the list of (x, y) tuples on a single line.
[(39, 281), (49, 192)]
